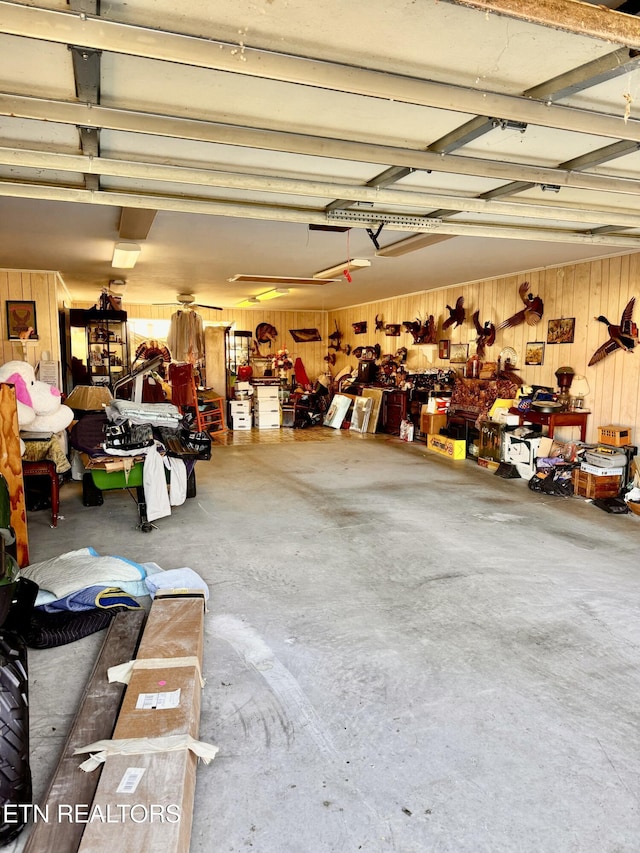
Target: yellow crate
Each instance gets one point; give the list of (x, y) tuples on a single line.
[(616, 436)]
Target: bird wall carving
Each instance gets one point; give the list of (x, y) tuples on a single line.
[(530, 314), (457, 314), (622, 336), (486, 334)]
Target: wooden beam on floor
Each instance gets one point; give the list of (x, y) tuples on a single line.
[(95, 720)]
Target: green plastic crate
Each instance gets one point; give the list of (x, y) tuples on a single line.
[(115, 479)]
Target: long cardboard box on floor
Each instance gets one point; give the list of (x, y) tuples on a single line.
[(145, 802)]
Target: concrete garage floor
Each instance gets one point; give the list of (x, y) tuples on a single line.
[(402, 653)]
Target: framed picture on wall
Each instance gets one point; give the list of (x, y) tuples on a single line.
[(443, 348), (459, 353), (534, 353), (21, 320), (561, 331)]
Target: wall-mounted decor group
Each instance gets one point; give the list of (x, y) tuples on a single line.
[(561, 331), (21, 320)]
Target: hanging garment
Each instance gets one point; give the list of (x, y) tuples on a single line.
[(178, 481), (155, 486), (186, 336)]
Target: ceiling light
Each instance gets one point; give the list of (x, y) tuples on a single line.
[(125, 255), (341, 269), (277, 279), (411, 244), (248, 303), (272, 294)]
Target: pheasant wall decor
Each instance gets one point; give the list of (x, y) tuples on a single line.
[(620, 337), (486, 334), (456, 315), (531, 313)]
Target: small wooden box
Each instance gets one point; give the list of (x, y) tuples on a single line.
[(616, 436), (592, 486)]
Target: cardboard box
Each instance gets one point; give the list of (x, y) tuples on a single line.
[(241, 422), (240, 407), (130, 785), (267, 392), (268, 421), (449, 447), (431, 424), (601, 472), (488, 463), (592, 486)]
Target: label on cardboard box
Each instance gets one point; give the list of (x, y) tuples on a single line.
[(130, 780), (158, 701), (452, 448)]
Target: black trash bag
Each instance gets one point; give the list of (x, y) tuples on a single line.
[(552, 482)]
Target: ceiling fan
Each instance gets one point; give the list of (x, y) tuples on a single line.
[(188, 300)]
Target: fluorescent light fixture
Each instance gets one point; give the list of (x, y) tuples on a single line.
[(125, 255), (339, 269), (272, 294), (248, 303), (411, 244), (277, 279)]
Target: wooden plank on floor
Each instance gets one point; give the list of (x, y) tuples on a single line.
[(95, 720)]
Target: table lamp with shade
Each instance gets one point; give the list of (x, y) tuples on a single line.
[(579, 390)]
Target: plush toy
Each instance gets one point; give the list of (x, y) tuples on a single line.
[(40, 406)]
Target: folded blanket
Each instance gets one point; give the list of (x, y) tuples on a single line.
[(176, 579), (76, 570)]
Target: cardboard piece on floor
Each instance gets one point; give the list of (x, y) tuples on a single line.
[(95, 719), (145, 802)]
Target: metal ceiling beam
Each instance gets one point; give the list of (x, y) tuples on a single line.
[(590, 74), (587, 76), (311, 217), (626, 216), (297, 143), (101, 34)]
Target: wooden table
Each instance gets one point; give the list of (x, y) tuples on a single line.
[(552, 420)]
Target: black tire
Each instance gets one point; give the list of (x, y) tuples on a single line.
[(15, 773)]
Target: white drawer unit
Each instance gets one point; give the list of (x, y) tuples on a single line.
[(241, 422), (267, 421)]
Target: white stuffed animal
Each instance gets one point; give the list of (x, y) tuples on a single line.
[(40, 406)]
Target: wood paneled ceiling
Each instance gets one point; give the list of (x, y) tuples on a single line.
[(443, 141)]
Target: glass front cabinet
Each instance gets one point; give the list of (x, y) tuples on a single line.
[(106, 344)]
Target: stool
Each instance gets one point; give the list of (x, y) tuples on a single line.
[(46, 468)]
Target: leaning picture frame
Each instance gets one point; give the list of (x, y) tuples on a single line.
[(534, 353), (443, 348), (21, 320)]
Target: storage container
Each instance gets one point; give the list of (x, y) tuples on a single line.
[(592, 486), (617, 436)]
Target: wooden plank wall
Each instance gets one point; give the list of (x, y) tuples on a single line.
[(583, 291), (41, 287)]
